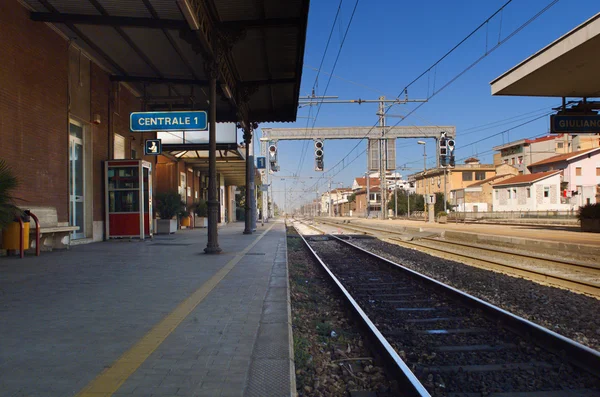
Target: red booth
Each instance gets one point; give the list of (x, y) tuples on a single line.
[(128, 198)]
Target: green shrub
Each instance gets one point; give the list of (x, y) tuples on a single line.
[(201, 209), (589, 211), (8, 182), (442, 213), (168, 204)]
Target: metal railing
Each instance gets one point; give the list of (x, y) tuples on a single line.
[(512, 215)]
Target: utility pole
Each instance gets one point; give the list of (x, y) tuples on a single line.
[(382, 159), (368, 194), (266, 214), (329, 201), (285, 197), (445, 191), (425, 188), (395, 201), (317, 203)]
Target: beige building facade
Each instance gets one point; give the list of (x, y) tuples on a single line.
[(433, 180), (478, 197), (524, 152)]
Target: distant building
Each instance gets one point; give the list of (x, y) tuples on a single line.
[(362, 203), (583, 142), (338, 200), (477, 197), (361, 183), (539, 191), (523, 152), (359, 188), (580, 173), (394, 180), (432, 180)]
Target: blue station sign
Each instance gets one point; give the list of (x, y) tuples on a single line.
[(196, 120), (575, 123), (261, 163)]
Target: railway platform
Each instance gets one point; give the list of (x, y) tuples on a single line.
[(567, 239), (150, 318)]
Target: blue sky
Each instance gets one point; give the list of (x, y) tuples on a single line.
[(390, 43)]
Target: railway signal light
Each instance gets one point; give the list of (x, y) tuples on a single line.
[(450, 144), (273, 156), (319, 151), (443, 150)]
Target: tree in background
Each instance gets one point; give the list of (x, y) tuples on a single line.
[(416, 202), (439, 203)]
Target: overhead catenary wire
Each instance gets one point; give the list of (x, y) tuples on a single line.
[(500, 42), (462, 146), (333, 68), (305, 144), (418, 77)]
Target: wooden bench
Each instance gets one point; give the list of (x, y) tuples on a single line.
[(52, 234)]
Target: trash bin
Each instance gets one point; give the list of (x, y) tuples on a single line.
[(11, 235)]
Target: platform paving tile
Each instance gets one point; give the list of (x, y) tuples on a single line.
[(218, 337), (66, 316), (271, 371)]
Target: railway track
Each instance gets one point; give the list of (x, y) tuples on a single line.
[(447, 343), (576, 276)]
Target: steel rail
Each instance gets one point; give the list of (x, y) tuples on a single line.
[(491, 249), (574, 352), (412, 386), (562, 281), (583, 286), (521, 254)]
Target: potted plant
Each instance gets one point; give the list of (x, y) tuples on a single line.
[(442, 217), (589, 218), (201, 212), (185, 219), (9, 212), (167, 206)]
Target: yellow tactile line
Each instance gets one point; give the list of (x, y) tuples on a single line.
[(109, 380)]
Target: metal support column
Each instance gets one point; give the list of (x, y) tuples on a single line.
[(437, 155), (445, 191), (265, 180), (396, 201), (285, 209), (212, 246), (368, 194), (329, 201), (252, 181), (382, 160), (248, 201), (317, 202)]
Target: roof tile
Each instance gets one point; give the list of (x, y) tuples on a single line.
[(527, 178), (563, 157)]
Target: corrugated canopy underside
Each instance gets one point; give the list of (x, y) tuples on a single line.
[(150, 45)]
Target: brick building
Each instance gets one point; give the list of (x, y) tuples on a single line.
[(62, 114)]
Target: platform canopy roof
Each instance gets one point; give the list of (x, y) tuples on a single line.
[(568, 67), (231, 163), (160, 48)]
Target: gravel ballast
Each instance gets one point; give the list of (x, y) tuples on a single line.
[(570, 314), (330, 356)]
